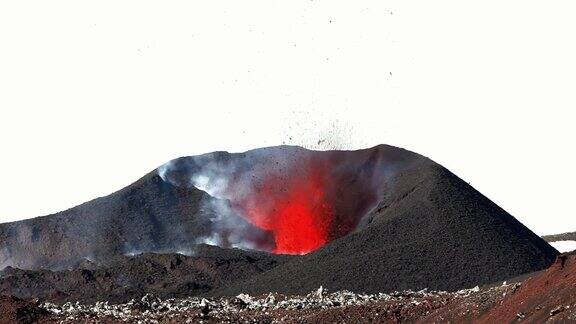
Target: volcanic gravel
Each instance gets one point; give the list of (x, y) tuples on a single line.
[(16, 310), (547, 297)]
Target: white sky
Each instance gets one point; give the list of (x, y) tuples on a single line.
[(564, 246), (93, 95)]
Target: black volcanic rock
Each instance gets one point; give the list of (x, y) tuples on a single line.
[(414, 225), (130, 277)]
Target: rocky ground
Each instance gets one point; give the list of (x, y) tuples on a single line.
[(569, 236), (131, 277), (546, 297), (314, 307)]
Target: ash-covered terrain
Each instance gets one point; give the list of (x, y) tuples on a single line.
[(281, 220)]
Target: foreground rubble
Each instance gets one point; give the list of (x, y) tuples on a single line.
[(269, 308)]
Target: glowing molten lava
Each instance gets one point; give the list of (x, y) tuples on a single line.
[(295, 209), (285, 199)]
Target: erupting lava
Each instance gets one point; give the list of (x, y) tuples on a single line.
[(288, 200), (295, 209)]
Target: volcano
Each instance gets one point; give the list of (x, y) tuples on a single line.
[(371, 220)]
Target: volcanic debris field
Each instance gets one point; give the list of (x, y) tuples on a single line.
[(285, 234)]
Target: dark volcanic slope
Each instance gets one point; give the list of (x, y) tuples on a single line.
[(433, 231), (131, 277), (150, 215)]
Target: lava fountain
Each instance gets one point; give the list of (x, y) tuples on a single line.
[(293, 199), (295, 210)]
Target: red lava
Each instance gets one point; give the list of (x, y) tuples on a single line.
[(295, 209)]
